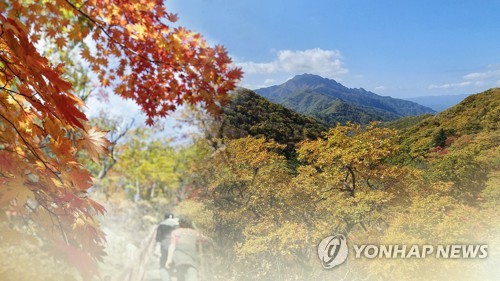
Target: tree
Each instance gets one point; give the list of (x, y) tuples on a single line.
[(134, 53), (246, 186), (440, 138), (349, 168), (148, 165), (116, 128), (268, 216), (353, 157)]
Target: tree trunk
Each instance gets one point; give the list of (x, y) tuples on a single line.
[(152, 194), (137, 196)]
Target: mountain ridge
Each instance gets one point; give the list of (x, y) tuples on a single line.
[(326, 99)]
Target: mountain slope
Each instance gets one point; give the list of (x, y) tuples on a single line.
[(473, 122), (406, 122), (332, 102), (251, 114), (331, 111), (438, 103)]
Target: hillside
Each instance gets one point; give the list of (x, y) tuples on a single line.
[(332, 102), (251, 114), (331, 111), (438, 103), (405, 122), (473, 122)]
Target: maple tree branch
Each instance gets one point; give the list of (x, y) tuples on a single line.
[(9, 92), (26, 220), (30, 148), (7, 63), (51, 215), (125, 48), (31, 98)]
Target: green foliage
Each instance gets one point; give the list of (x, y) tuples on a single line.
[(406, 122), (491, 193), (457, 145), (460, 168), (251, 115), (479, 112), (440, 138), (333, 110), (149, 166)]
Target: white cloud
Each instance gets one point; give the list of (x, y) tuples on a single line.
[(269, 81), (380, 88), (327, 63), (251, 67), (451, 85), (485, 75), (480, 79)]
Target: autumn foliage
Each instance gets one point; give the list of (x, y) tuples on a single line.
[(376, 185), (133, 53)]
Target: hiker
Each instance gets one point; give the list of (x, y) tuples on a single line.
[(163, 234), (183, 251)]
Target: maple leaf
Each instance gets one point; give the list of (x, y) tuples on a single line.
[(97, 207), (67, 106), (60, 42), (81, 178), (51, 32), (172, 17), (95, 143)]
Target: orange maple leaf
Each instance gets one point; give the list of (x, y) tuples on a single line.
[(95, 143), (60, 42)]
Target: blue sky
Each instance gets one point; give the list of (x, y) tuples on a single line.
[(397, 48)]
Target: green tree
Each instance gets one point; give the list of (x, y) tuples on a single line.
[(440, 138)]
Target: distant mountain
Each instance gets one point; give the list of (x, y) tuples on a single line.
[(332, 102), (249, 114), (438, 103)]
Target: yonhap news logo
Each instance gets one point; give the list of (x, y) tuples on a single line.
[(333, 251)]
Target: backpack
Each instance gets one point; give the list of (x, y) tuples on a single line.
[(164, 230)]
